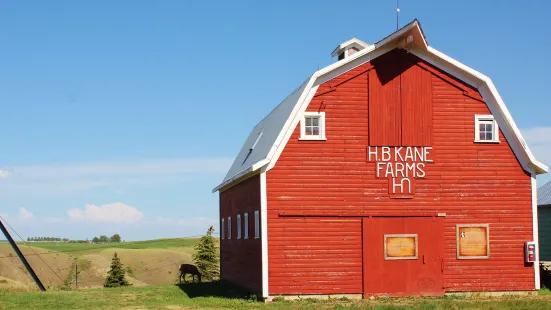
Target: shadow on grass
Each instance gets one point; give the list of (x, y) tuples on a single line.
[(220, 288)]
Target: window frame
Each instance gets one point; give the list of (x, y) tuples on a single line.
[(238, 220), (458, 255), (246, 226), (478, 119), (416, 238), (229, 227), (321, 136), (257, 224), (223, 225)]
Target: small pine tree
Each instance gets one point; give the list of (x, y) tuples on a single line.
[(206, 256), (115, 276)]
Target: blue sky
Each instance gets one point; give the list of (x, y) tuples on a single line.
[(121, 116)]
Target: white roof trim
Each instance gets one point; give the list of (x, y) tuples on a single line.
[(250, 169), (420, 48), (490, 94)]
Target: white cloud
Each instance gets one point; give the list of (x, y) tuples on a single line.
[(117, 212), (53, 219), (160, 166), (117, 176), (195, 221), (25, 215), (538, 135), (539, 141)]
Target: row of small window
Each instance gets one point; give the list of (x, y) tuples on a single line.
[(312, 127), (239, 226)]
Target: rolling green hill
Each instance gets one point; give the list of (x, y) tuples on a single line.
[(177, 243), (147, 262)]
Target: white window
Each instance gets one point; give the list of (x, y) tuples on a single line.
[(239, 226), (246, 226), (312, 126), (486, 129), (223, 229), (257, 224), (229, 227)]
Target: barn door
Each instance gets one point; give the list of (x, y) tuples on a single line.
[(403, 256)]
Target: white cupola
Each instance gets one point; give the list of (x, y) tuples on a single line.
[(349, 48)]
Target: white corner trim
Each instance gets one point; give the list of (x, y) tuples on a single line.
[(321, 124), (535, 231), (264, 231), (495, 128)]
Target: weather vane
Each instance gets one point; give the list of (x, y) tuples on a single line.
[(397, 14)]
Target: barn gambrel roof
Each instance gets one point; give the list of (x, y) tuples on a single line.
[(267, 140)]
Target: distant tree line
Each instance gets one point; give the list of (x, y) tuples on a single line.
[(101, 239), (47, 239), (105, 239)]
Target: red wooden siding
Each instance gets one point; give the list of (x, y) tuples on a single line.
[(470, 182), (384, 104), (400, 102), (241, 259), (416, 105), (319, 256)]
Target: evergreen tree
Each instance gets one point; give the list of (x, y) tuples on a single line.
[(206, 256), (115, 276)]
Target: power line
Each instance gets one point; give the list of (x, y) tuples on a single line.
[(62, 281)]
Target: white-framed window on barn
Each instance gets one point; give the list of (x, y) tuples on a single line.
[(239, 226), (473, 241), (486, 129), (229, 227), (223, 228), (312, 126), (246, 225), (256, 224)]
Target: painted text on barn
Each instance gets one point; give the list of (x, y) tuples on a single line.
[(400, 165)]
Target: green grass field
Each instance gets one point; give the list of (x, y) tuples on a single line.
[(216, 296), (146, 244)]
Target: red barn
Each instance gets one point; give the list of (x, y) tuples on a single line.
[(394, 171)]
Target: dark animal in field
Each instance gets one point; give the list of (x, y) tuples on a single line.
[(189, 269)]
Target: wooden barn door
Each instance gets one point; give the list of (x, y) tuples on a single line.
[(403, 256)]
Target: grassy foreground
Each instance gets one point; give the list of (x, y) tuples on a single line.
[(216, 296)]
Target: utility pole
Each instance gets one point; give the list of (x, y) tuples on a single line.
[(21, 257)]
